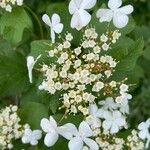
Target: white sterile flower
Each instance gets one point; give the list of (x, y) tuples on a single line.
[(52, 131), (113, 121), (144, 132), (30, 64), (118, 14), (108, 104), (31, 137), (81, 137), (54, 24), (80, 17), (93, 120)]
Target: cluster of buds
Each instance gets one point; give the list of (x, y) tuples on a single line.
[(7, 4), (83, 72), (10, 128)]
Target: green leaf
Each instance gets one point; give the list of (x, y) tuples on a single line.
[(13, 73), (128, 60), (32, 113), (146, 53), (12, 24)]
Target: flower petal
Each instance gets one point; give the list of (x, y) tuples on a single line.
[(85, 130), (53, 122), (58, 28), (55, 19), (126, 9), (114, 129), (114, 4), (75, 143), (88, 4), (91, 144), (120, 20), (68, 130), (104, 15), (93, 109), (143, 134), (37, 134), (46, 125), (74, 5), (107, 124), (46, 19), (142, 126), (107, 115), (80, 19), (52, 35), (34, 142), (50, 139)]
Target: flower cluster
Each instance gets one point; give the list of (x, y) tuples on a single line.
[(10, 128), (82, 69), (7, 4)]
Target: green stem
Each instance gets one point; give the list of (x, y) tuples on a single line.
[(36, 18)]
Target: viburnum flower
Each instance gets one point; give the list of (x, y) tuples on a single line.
[(108, 104), (31, 137), (144, 132), (113, 121), (118, 14), (93, 120), (81, 136), (52, 131), (54, 24), (30, 64), (80, 17)]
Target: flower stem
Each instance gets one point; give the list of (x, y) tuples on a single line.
[(36, 18)]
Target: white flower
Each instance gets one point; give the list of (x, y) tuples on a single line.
[(30, 64), (31, 137), (54, 24), (81, 17), (52, 131), (93, 120), (118, 15), (144, 133), (108, 104), (19, 2), (81, 137), (113, 121), (124, 88)]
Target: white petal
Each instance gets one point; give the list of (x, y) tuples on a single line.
[(34, 142), (46, 19), (107, 115), (120, 121), (114, 129), (107, 124), (142, 126), (88, 4), (114, 4), (85, 130), (74, 5), (104, 15), (93, 109), (126, 9), (30, 65), (55, 19), (143, 134), (91, 144), (50, 139), (58, 28), (68, 130), (120, 20), (75, 143), (80, 19), (116, 114), (53, 122), (46, 125), (37, 134)]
